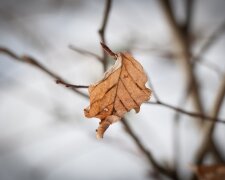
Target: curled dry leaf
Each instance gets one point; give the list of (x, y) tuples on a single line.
[(210, 172), (121, 89)]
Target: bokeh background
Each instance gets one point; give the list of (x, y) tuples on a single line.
[(43, 131)]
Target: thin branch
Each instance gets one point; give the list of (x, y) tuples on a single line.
[(215, 151), (126, 125), (102, 30), (184, 55), (153, 90), (189, 15), (32, 61), (219, 99), (85, 52), (29, 60), (169, 55), (58, 81), (212, 67), (192, 114), (211, 40), (108, 51), (147, 153)]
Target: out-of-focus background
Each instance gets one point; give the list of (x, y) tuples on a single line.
[(43, 131)]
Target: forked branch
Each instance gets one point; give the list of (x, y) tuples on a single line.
[(60, 80), (102, 30), (30, 60)]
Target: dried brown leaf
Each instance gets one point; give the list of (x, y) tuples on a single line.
[(210, 172), (121, 89)]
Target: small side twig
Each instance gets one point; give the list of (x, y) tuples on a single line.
[(153, 90), (207, 141), (58, 81), (192, 114), (102, 30), (210, 41), (109, 51), (165, 171), (147, 153), (30, 60), (189, 14), (85, 52), (184, 54)]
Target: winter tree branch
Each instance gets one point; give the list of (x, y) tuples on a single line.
[(102, 30), (30, 60)]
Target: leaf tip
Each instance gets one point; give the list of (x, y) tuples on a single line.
[(99, 136)]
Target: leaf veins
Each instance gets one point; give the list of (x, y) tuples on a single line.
[(121, 89)]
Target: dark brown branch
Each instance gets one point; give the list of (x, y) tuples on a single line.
[(192, 114), (206, 46), (108, 51), (58, 81), (171, 55), (215, 151), (35, 63), (102, 30), (189, 14), (85, 52), (211, 40), (126, 125), (147, 153), (184, 54), (29, 60), (207, 141)]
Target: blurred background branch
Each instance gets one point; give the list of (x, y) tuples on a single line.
[(168, 146)]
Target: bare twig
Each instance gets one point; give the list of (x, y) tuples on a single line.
[(207, 141), (31, 61), (206, 46), (210, 41), (58, 81), (85, 52), (126, 125), (102, 30), (108, 51), (169, 55), (147, 153), (192, 114), (35, 63), (153, 90), (189, 15), (184, 54)]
